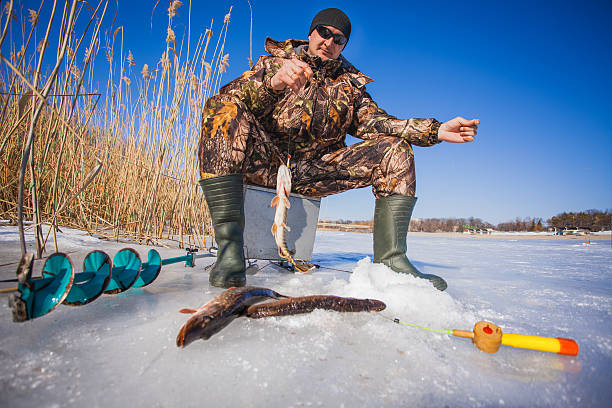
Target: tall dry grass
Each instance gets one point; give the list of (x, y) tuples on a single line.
[(118, 162)]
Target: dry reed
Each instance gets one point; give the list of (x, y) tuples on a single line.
[(124, 168)]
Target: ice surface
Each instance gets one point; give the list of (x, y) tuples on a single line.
[(120, 350)]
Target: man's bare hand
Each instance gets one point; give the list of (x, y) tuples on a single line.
[(293, 74), (458, 130)]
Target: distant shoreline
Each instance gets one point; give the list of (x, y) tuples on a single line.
[(517, 235), (509, 235)]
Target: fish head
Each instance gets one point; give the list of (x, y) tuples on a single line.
[(201, 326), (283, 181), (377, 305)]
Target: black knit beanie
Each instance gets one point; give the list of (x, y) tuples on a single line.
[(332, 17)]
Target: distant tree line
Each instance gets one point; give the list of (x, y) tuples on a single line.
[(593, 220), (525, 224), (447, 224)]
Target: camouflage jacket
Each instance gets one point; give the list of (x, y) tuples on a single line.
[(333, 103)]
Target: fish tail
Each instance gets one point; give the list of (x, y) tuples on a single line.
[(286, 255), (304, 267)]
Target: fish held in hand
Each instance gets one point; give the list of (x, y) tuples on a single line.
[(220, 311), (280, 227)]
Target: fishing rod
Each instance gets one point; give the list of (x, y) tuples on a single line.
[(488, 337), (59, 283)]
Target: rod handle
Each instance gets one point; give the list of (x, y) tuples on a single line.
[(557, 345)]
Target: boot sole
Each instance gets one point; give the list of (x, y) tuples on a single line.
[(437, 282)]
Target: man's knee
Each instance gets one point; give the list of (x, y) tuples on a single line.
[(220, 116)]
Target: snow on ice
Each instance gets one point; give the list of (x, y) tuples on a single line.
[(120, 350)]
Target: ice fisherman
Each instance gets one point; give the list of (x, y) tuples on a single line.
[(303, 99)]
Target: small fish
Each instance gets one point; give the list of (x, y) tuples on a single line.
[(306, 304), (220, 311), (279, 228)]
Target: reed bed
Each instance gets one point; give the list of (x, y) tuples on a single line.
[(120, 162)]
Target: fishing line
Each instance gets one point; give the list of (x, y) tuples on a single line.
[(333, 269), (254, 264), (261, 267), (38, 259), (398, 321)]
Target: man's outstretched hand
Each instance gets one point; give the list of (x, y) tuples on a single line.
[(458, 130)]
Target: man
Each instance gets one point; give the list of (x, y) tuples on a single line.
[(301, 101)]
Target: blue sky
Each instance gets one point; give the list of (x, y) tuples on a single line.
[(537, 75)]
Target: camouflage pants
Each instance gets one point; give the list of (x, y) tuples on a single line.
[(233, 141)]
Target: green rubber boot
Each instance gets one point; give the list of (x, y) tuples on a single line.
[(391, 220), (225, 198)]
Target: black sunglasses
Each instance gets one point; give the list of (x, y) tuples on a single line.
[(325, 33)]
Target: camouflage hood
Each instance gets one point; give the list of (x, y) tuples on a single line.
[(333, 67)]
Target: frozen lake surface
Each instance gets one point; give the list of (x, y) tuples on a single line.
[(120, 350)]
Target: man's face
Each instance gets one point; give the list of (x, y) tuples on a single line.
[(326, 49)]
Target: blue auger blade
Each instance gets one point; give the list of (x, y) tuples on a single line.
[(126, 268), (91, 283), (149, 270), (38, 297)]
